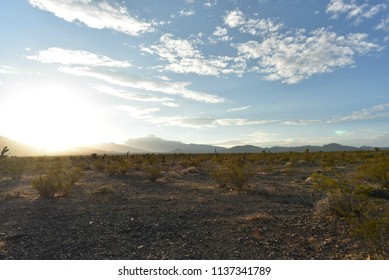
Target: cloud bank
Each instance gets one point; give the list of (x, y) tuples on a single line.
[(95, 14)]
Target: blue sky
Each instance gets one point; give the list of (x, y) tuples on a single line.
[(261, 72)]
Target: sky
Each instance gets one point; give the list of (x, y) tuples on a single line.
[(232, 72)]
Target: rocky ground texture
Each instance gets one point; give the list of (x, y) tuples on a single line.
[(180, 216)]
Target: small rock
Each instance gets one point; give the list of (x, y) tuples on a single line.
[(309, 180)]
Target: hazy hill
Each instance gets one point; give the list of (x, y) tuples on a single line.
[(18, 149), (155, 144), (112, 148), (244, 149)]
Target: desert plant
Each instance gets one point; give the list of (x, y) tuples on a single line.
[(58, 182), (104, 190), (234, 174), (3, 153), (3, 156), (350, 201), (154, 171), (15, 167), (376, 171)]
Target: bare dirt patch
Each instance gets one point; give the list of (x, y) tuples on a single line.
[(177, 217)]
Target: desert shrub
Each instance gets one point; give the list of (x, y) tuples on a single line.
[(118, 167), (104, 190), (376, 171), (58, 182), (154, 171), (99, 165), (234, 174), (15, 167), (350, 202), (12, 195)]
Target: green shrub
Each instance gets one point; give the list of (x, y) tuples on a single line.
[(15, 167), (58, 182), (104, 190), (233, 174), (376, 171), (154, 171), (350, 201)]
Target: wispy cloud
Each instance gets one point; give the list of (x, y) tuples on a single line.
[(76, 57), (383, 25), (239, 109), (95, 14), (206, 122), (294, 56), (210, 3), (138, 112), (278, 53), (375, 112), (4, 69), (154, 85), (241, 122), (186, 122), (259, 27), (136, 96), (186, 13), (219, 35), (182, 56), (354, 11), (379, 111)]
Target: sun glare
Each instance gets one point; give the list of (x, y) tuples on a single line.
[(50, 117)]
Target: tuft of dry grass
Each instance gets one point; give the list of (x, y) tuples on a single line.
[(260, 216), (104, 190)]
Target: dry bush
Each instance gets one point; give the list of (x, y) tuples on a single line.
[(349, 201), (234, 174), (14, 167), (154, 171), (58, 182), (104, 190), (376, 171)]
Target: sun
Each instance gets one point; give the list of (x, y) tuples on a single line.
[(51, 117)]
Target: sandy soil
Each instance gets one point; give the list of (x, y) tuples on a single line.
[(180, 216)]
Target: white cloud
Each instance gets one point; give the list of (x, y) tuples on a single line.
[(186, 122), (136, 96), (241, 122), (234, 19), (206, 122), (186, 13), (183, 57), (383, 25), (95, 14), (379, 111), (76, 57), (258, 27), (4, 69), (138, 112), (210, 3), (354, 11), (375, 112), (220, 31), (239, 109), (219, 35), (173, 88), (293, 57)]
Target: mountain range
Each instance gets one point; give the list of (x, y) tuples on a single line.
[(153, 144)]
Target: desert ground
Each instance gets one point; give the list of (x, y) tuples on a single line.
[(254, 206)]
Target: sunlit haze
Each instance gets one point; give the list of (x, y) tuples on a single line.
[(263, 72)]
